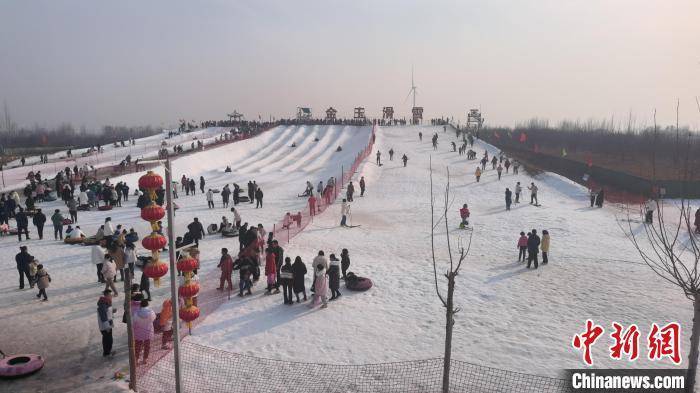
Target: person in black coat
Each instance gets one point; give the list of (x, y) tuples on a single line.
[(258, 198), (298, 272), (533, 245), (286, 278), (334, 277), (344, 262), (247, 267), (22, 224), (193, 186), (251, 191), (39, 219), (201, 183), (600, 198), (196, 230), (509, 198), (279, 258), (236, 194), (23, 259), (242, 235), (143, 201)]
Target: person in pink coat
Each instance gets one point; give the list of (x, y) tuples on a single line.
[(271, 270), (226, 265), (312, 204), (320, 286), (143, 330), (522, 246)]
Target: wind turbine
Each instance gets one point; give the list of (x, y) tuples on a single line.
[(413, 90)]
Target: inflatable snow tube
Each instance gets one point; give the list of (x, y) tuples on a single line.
[(74, 241), (84, 208), (243, 198), (106, 207), (67, 221), (212, 228), (90, 241), (229, 232), (20, 365), (356, 283)]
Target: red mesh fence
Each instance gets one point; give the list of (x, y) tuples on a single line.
[(209, 298)]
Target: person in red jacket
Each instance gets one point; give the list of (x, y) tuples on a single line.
[(327, 193), (226, 265), (464, 213), (312, 204), (271, 271)]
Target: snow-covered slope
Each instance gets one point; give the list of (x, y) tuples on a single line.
[(64, 329), (511, 317)]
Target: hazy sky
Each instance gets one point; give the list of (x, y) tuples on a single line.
[(153, 62)]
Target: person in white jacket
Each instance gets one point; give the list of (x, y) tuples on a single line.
[(344, 211), (130, 257), (236, 217), (83, 199), (108, 227), (98, 257), (77, 234), (210, 198), (109, 272)]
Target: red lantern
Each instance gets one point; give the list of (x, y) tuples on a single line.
[(154, 242), (189, 290), (152, 212), (156, 270), (150, 181), (187, 264), (189, 313)]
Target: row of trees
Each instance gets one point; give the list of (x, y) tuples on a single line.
[(65, 135)]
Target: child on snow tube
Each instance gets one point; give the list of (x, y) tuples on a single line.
[(356, 283)]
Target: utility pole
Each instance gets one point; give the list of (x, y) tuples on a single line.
[(173, 275)]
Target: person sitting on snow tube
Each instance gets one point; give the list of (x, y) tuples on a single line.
[(356, 283), (76, 236)]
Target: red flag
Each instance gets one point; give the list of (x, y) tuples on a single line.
[(523, 137)]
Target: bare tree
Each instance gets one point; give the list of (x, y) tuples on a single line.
[(672, 251), (451, 274)]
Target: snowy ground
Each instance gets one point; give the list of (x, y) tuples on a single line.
[(512, 318), (15, 175), (64, 329)]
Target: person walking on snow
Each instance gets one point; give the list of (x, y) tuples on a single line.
[(533, 194), (533, 245), (592, 195), (509, 198), (344, 211), (522, 247), (518, 191), (507, 164), (109, 273), (225, 194), (38, 220), (494, 161), (319, 188), (420, 136), (43, 278), (226, 266), (405, 160), (334, 277), (321, 286), (210, 199), (201, 184), (362, 186), (105, 321), (379, 158), (298, 272), (312, 205), (143, 330), (464, 214), (499, 169), (391, 154), (544, 246), (271, 271), (23, 259), (286, 279), (259, 198), (350, 191), (477, 173)]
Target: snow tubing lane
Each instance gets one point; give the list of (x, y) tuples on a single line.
[(20, 365), (362, 284)]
